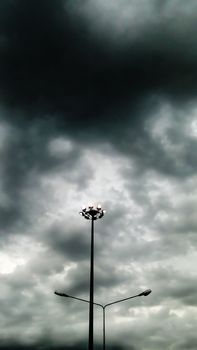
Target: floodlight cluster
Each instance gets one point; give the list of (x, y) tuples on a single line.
[(91, 212)]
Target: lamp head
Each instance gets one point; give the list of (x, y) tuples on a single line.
[(62, 294), (145, 293)]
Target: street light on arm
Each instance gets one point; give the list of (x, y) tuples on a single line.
[(144, 293), (76, 298)]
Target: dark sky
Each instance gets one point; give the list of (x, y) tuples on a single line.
[(98, 104)]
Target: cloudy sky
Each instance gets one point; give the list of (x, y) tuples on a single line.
[(98, 104)]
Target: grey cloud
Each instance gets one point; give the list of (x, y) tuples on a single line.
[(188, 343), (108, 276), (57, 57), (74, 245), (25, 155), (94, 94), (169, 283)]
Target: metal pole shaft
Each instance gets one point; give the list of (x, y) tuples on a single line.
[(103, 328), (91, 316)]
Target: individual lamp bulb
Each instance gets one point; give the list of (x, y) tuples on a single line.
[(83, 208)]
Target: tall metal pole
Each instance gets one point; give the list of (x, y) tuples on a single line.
[(91, 305), (103, 327), (92, 214)]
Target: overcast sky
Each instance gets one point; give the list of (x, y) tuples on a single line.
[(98, 104)]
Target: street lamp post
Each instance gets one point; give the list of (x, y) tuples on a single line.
[(92, 214), (144, 293)]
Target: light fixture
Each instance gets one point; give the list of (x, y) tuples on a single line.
[(145, 293), (92, 213)]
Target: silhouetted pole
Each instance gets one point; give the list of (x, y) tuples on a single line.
[(92, 214), (91, 306), (103, 328)]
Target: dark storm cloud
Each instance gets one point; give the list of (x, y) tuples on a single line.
[(77, 281), (26, 153), (55, 66), (171, 283), (75, 245), (50, 60)]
